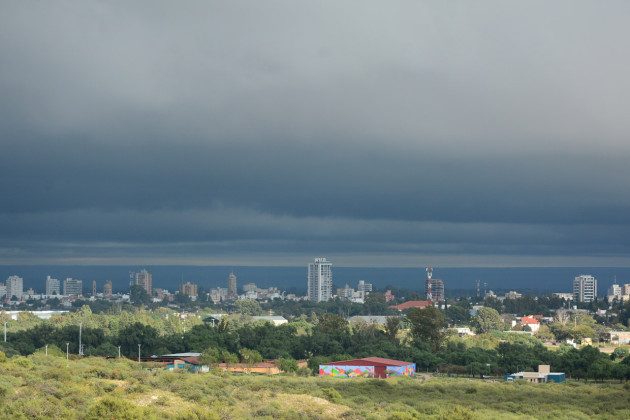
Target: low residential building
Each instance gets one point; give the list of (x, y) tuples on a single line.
[(532, 323), (543, 375), (274, 319), (463, 331), (562, 295), (618, 337)]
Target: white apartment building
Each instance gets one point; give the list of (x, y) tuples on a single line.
[(345, 292), (614, 292), (585, 288), (53, 286), (3, 292), (15, 287), (364, 287), (72, 287), (319, 280)]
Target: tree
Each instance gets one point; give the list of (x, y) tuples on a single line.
[(392, 326), (250, 357), (457, 314), (248, 307), (487, 320), (228, 358), (287, 365), (426, 326), (138, 295), (210, 356)]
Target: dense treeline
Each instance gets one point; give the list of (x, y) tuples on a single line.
[(329, 337)]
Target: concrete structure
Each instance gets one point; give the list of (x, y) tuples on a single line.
[(249, 287), (15, 287), (274, 319), (364, 287), (53, 286), (345, 292), (232, 288), (513, 295), (218, 295), (614, 292), (585, 288), (179, 361), (434, 288), (368, 367), (266, 368), (543, 375), (72, 287), (562, 295), (619, 337), (188, 289), (420, 304), (319, 280), (463, 331), (14, 315), (143, 279), (107, 289)]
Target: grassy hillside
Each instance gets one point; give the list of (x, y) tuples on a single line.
[(42, 386)]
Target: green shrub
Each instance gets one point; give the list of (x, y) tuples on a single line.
[(113, 408), (331, 394)]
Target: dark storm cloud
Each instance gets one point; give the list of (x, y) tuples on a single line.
[(244, 128)]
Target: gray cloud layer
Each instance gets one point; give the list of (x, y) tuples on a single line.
[(242, 131)]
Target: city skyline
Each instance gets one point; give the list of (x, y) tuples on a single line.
[(460, 135)]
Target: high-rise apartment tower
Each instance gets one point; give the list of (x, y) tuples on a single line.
[(319, 280), (584, 288)]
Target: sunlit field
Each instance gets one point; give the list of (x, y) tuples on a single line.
[(42, 386)]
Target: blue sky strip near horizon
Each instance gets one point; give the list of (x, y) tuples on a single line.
[(378, 134)]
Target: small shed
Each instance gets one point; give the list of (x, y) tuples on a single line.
[(368, 367)]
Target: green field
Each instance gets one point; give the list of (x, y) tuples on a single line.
[(42, 386)]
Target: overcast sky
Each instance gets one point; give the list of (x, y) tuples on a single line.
[(395, 133)]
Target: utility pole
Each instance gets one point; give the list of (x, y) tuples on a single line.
[(46, 349), (80, 345), (119, 352), (5, 331), (67, 351), (139, 352)]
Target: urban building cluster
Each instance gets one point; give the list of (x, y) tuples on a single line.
[(585, 290)]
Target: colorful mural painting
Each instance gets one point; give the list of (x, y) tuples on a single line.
[(346, 371), (408, 370)]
